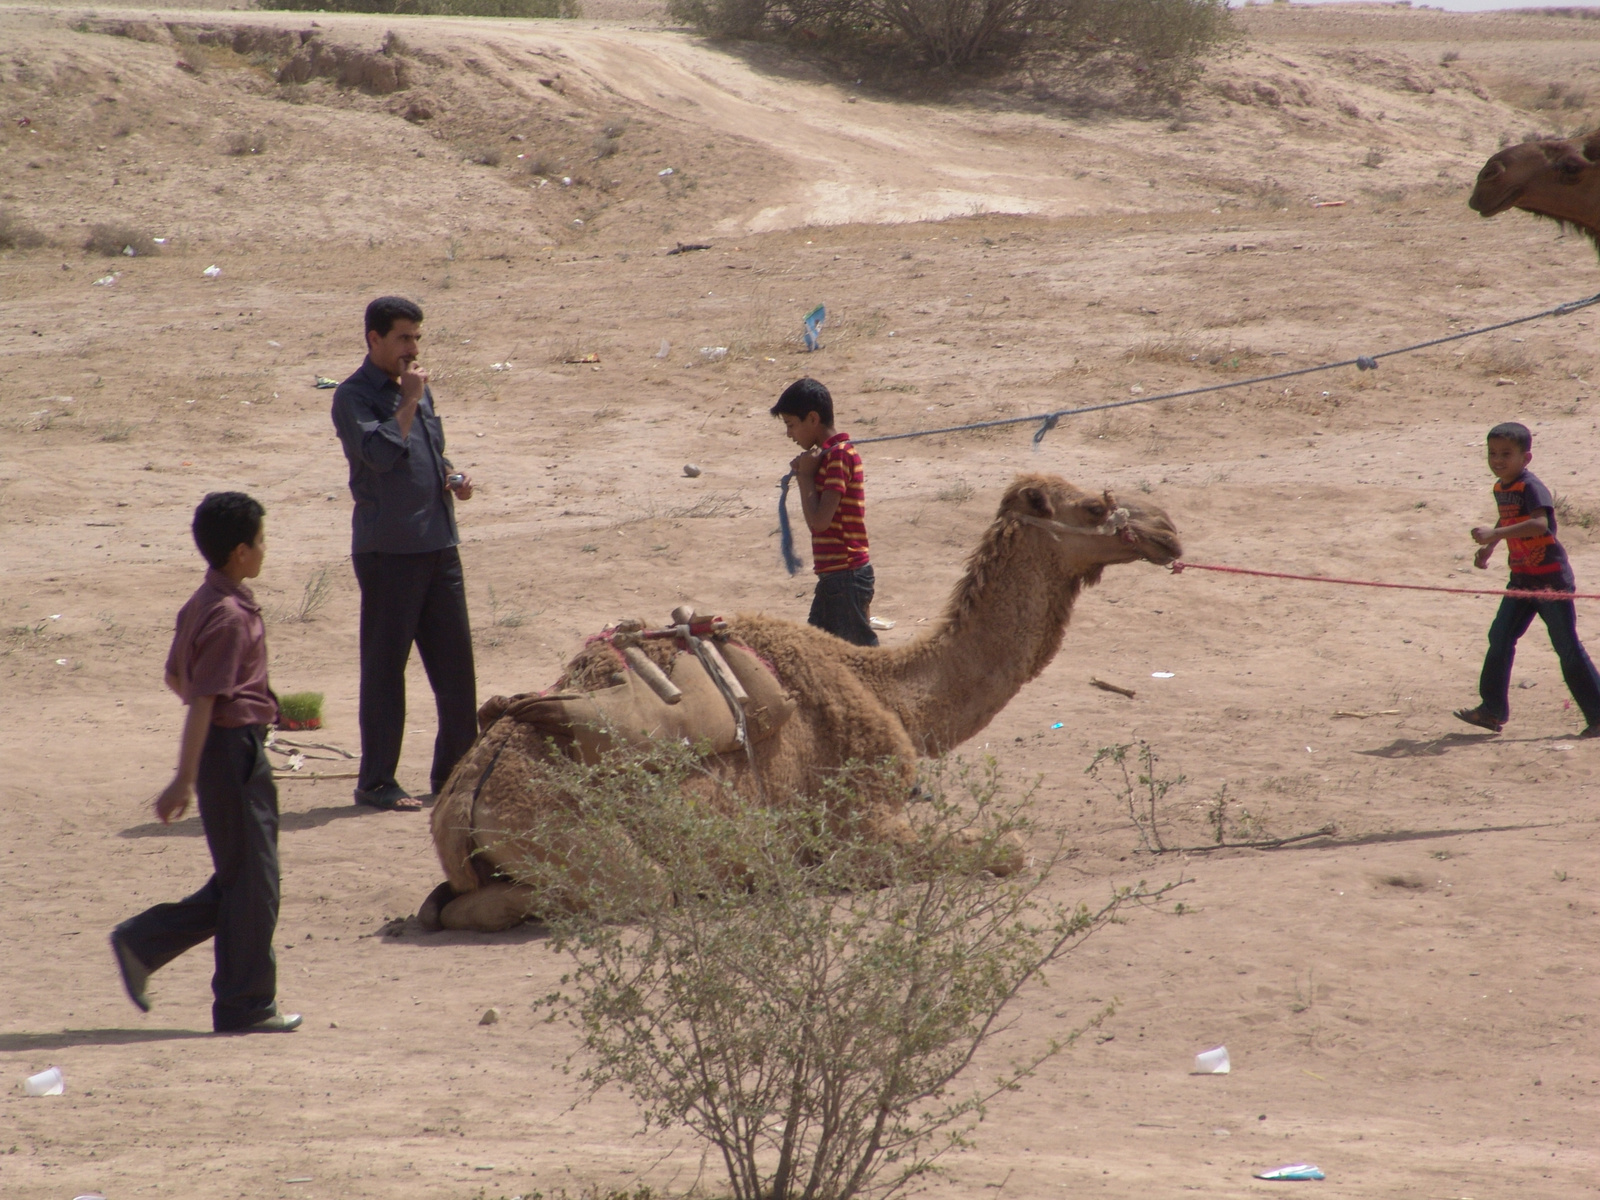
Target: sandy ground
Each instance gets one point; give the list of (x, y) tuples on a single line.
[(1408, 1002)]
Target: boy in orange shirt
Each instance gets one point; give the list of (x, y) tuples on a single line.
[(1539, 563)]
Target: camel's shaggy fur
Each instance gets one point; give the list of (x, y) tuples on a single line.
[(1003, 624), (1554, 178)]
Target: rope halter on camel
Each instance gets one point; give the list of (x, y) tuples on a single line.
[(1115, 525)]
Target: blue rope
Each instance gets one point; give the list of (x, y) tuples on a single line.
[(1049, 420), (791, 560)]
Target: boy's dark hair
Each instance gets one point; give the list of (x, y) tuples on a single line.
[(383, 312), (1513, 431), (805, 396), (224, 520)]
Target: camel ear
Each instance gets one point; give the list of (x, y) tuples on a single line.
[(1037, 502)]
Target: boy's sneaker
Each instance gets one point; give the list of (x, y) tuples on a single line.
[(1477, 716)]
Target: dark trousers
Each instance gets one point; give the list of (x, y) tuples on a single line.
[(419, 598), (1560, 620), (841, 604), (239, 904)]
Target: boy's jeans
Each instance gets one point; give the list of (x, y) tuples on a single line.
[(841, 603), (1510, 623)]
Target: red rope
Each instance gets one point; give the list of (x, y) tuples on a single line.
[(1180, 567)]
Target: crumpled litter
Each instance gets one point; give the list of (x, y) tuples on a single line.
[(324, 382), (212, 271)]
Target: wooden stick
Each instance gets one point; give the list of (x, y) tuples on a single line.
[(1112, 687), (652, 675), (720, 665), (1387, 712), (316, 774)]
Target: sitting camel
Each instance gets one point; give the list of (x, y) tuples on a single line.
[(1550, 178), (829, 704)]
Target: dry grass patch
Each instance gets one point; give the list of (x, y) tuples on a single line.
[(244, 144), (111, 240), (16, 234)]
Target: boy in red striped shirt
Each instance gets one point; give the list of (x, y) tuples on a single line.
[(834, 499)]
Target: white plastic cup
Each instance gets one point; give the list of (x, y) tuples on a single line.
[(46, 1083), (1212, 1062)]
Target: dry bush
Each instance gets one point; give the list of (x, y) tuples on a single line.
[(112, 240), (434, 8), (16, 234), (803, 999), (1190, 348), (485, 157), (940, 34), (1503, 358), (1570, 514), (246, 143)]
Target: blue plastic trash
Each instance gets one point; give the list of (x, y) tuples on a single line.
[(1297, 1171), (814, 320)]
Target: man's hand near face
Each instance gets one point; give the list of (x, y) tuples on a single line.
[(413, 381)]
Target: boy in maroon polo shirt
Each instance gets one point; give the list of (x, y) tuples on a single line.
[(218, 667), (834, 499), (1539, 563)]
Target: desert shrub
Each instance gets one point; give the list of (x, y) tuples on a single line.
[(953, 33), (488, 156), (802, 998), (434, 8), (241, 145), (16, 234), (112, 240)]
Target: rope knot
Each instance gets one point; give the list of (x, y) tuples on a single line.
[(1366, 363)]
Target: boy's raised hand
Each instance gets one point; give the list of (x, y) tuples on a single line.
[(1484, 535), (804, 464)]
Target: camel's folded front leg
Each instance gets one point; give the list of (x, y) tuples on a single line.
[(495, 906)]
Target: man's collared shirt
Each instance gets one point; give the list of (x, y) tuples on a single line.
[(398, 483)]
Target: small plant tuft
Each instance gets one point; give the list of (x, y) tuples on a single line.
[(300, 706)]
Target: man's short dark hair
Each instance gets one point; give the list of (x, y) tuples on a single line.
[(805, 396), (224, 520), (1513, 431), (383, 312)]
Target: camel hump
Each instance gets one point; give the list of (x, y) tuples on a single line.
[(630, 713)]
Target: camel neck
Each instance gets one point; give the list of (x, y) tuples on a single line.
[(1004, 625)]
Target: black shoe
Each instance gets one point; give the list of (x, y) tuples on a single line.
[(276, 1023), (1591, 731), (134, 975), (1477, 716), (389, 798)]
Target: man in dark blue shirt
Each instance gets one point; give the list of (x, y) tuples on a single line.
[(404, 548)]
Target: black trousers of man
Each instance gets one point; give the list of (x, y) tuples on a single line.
[(238, 906), (419, 598)]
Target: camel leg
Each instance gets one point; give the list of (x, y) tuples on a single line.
[(495, 906), (428, 913)]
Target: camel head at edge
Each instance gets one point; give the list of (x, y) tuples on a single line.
[(1111, 530), (1555, 178)]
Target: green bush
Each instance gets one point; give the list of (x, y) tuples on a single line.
[(798, 995), (953, 33), (300, 706), (434, 8)]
